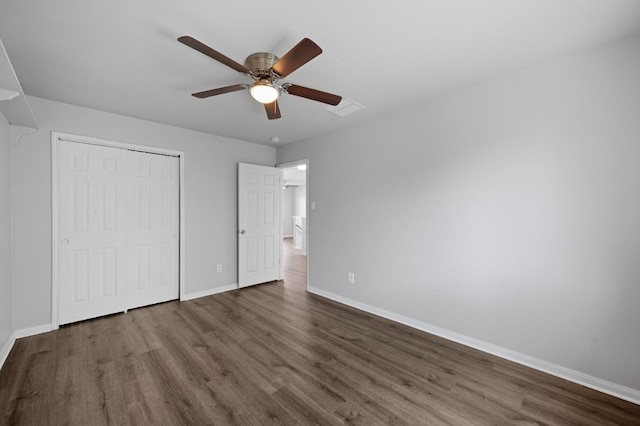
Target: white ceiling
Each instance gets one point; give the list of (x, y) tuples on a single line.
[(122, 56), (293, 176)]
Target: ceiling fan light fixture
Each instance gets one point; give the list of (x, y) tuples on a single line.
[(264, 92)]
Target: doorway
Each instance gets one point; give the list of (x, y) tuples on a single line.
[(295, 222)]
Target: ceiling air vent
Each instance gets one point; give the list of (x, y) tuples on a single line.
[(344, 108)]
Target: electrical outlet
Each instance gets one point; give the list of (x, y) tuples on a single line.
[(219, 268), (351, 278)]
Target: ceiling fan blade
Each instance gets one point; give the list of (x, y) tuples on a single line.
[(203, 48), (299, 55), (313, 94), (273, 110), (219, 91)]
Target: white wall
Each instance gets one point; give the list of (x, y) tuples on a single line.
[(5, 236), (287, 212), (508, 212), (210, 193), (300, 200)]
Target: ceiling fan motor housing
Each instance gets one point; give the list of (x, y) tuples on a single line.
[(260, 64)]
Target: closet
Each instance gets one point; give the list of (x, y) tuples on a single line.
[(117, 229)]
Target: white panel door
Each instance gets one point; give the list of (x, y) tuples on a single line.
[(259, 224), (92, 245), (153, 213)]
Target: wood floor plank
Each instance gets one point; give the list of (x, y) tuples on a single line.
[(275, 354), (304, 409)]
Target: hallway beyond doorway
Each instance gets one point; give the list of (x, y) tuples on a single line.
[(294, 266)]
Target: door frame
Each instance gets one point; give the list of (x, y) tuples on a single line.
[(288, 165), (56, 137)]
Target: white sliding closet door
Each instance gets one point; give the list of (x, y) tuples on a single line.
[(153, 228), (118, 230), (92, 230)]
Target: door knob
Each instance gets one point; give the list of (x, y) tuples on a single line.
[(65, 241), (243, 232)]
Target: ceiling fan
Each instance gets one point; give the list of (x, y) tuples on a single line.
[(266, 69)]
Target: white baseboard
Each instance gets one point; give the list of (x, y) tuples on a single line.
[(6, 348), (26, 332), (614, 389), (209, 292)]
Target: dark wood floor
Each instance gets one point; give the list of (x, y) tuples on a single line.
[(274, 354)]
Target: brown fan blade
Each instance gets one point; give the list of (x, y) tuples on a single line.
[(219, 91), (299, 55), (313, 94), (273, 110), (203, 48)]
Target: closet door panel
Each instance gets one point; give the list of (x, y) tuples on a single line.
[(153, 228), (92, 231)]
